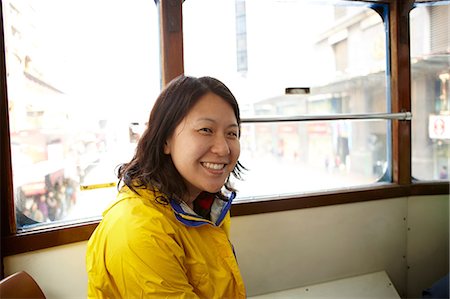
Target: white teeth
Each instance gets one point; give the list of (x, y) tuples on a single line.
[(214, 166)]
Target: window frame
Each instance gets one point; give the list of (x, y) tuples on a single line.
[(171, 37)]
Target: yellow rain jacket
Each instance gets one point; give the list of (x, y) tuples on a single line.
[(147, 249)]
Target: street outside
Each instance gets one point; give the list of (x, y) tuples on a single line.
[(268, 179)]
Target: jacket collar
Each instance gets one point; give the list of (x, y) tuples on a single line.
[(188, 217)]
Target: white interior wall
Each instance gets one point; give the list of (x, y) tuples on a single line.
[(59, 271), (427, 242), (292, 249)]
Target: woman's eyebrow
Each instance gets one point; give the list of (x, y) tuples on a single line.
[(213, 121)]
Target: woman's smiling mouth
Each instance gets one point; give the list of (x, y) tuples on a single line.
[(213, 166)]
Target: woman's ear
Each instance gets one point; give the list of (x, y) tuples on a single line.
[(166, 147)]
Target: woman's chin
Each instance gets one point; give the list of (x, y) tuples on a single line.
[(213, 189)]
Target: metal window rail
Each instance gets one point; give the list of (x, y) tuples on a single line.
[(268, 119)]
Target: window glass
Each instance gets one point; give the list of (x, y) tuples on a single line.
[(430, 91), (292, 157), (82, 77), (335, 51)]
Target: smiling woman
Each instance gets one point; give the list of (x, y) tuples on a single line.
[(205, 146), (329, 170), (168, 232)]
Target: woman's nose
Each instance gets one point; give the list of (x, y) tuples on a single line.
[(220, 146)]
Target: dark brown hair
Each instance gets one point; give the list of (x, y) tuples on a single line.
[(150, 167)]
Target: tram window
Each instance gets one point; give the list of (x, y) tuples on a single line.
[(430, 91), (82, 77), (337, 49)]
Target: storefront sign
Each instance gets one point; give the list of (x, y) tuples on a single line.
[(439, 127)]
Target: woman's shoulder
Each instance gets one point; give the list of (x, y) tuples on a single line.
[(151, 197), (135, 208), (130, 222)]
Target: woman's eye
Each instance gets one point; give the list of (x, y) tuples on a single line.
[(205, 130), (233, 134)]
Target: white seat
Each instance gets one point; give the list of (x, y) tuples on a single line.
[(374, 285)]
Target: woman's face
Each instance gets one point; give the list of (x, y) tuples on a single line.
[(205, 145)]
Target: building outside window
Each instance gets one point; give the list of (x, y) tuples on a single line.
[(340, 57), (241, 37), (430, 91)]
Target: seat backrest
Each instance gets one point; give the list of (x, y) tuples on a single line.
[(20, 285)]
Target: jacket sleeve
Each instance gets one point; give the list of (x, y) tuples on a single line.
[(145, 260)]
